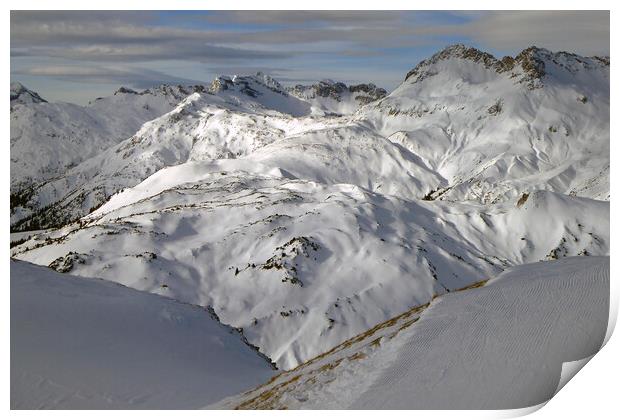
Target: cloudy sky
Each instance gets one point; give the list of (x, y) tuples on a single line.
[(77, 56)]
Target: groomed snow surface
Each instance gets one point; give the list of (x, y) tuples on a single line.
[(500, 346)]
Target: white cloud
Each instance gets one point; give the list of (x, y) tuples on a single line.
[(118, 75), (583, 32)]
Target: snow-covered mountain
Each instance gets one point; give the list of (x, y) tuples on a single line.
[(494, 129), (463, 351), (232, 117), (22, 95), (329, 97), (91, 344), (305, 228), (202, 126), (259, 93), (466, 126), (49, 138)]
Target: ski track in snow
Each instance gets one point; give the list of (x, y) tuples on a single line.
[(501, 346)]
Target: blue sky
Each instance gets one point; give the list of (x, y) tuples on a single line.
[(77, 56)]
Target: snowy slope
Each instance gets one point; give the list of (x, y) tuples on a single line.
[(202, 126), (91, 344), (500, 346), (233, 117), (497, 128), (302, 266), (49, 139)]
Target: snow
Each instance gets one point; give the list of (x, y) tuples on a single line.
[(302, 266), (84, 343), (20, 94), (228, 123), (536, 138), (305, 228), (500, 346), (527, 323), (48, 138)]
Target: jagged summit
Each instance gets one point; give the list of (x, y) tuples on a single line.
[(329, 88), (250, 85), (528, 67), (21, 94), (461, 51), (337, 97), (454, 51), (268, 81), (124, 89), (178, 92)]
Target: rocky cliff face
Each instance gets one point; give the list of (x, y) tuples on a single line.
[(247, 84), (337, 97), (337, 90)]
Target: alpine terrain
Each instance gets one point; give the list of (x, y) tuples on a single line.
[(302, 218)]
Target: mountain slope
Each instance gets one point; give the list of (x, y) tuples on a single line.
[(302, 266), (259, 92), (232, 118), (499, 346), (91, 344), (202, 126), (48, 138), (497, 128)]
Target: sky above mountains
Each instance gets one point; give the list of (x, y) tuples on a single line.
[(76, 56)]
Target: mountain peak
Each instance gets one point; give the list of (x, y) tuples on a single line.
[(532, 60), (464, 51), (21, 94), (123, 89), (330, 88), (269, 82), (251, 85), (531, 64), (454, 51)]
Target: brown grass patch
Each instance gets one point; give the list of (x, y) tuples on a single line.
[(357, 356), (473, 285), (267, 399)]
